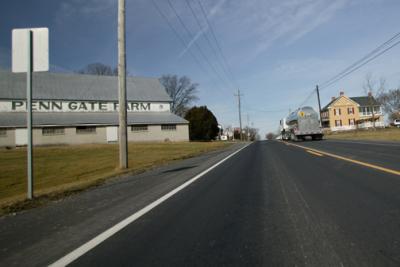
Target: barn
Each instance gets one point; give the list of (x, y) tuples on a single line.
[(81, 109)]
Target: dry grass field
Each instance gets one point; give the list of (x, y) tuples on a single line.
[(61, 169), (386, 134)]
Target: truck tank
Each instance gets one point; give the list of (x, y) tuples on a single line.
[(302, 123)]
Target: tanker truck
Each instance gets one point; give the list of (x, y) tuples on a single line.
[(302, 123)]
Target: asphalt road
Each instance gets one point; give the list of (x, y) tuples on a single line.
[(271, 204)]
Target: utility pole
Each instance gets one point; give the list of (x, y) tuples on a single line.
[(240, 115), (248, 128), (319, 106), (123, 140)]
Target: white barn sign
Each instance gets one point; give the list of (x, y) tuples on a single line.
[(81, 106)]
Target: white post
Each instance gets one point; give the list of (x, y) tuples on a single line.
[(29, 114)]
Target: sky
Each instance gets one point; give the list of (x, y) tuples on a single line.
[(274, 51)]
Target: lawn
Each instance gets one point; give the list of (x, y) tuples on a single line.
[(386, 134), (60, 169)]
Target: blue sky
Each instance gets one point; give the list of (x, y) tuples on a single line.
[(276, 50)]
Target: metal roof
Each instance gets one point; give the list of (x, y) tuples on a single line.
[(18, 119), (61, 86), (365, 101)]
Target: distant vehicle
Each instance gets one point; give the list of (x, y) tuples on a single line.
[(300, 124), (224, 138), (284, 129), (396, 123)]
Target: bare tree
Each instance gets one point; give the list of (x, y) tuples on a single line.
[(99, 69), (181, 90), (373, 89), (390, 101)]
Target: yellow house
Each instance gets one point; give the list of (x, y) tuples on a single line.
[(349, 113)]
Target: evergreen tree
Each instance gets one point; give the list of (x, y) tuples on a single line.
[(202, 124)]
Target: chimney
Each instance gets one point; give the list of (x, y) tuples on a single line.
[(341, 93), (369, 94), (333, 98)]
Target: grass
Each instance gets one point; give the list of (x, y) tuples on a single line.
[(61, 170), (385, 134)]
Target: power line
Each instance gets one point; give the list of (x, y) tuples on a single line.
[(208, 41), (358, 64), (363, 61), (216, 40), (180, 38), (196, 44)]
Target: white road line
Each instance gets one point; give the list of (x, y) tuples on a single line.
[(75, 254)]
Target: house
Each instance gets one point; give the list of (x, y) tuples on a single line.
[(349, 113)]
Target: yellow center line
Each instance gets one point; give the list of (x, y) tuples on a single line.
[(314, 153), (376, 167)]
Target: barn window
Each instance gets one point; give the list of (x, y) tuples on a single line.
[(139, 128), (85, 129), (168, 127), (53, 131)]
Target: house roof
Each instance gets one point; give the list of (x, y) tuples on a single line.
[(18, 119), (361, 100), (61, 86), (365, 100)]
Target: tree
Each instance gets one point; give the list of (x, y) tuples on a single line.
[(270, 136), (99, 69), (391, 102), (182, 91), (373, 90), (202, 124)]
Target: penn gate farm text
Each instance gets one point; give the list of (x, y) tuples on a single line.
[(81, 106)]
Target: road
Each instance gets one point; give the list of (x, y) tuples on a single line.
[(271, 204)]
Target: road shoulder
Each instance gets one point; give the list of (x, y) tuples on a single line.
[(63, 225)]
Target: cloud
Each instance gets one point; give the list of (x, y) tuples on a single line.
[(265, 23), (69, 10), (213, 11)]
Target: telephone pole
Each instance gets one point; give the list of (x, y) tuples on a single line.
[(240, 115), (319, 106), (123, 140), (248, 128)]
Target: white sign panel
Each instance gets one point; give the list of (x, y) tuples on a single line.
[(40, 49), (80, 106)]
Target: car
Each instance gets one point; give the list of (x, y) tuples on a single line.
[(396, 123)]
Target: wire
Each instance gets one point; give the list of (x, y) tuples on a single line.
[(356, 68), (361, 62), (180, 38), (358, 64), (209, 41), (216, 41), (196, 44)]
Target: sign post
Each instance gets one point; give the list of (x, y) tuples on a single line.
[(29, 113), (30, 53)]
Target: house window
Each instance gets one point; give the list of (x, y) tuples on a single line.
[(351, 122), (350, 110), (139, 128), (85, 129), (53, 131), (168, 127), (337, 111), (338, 123), (3, 132)]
